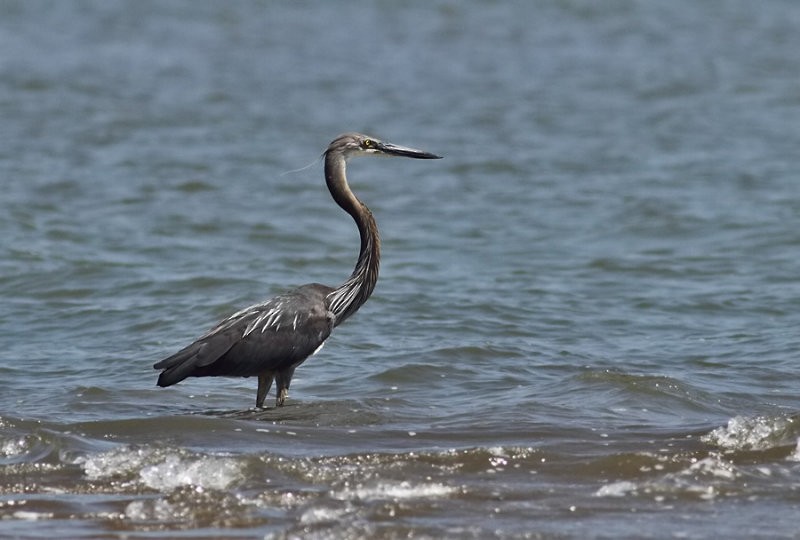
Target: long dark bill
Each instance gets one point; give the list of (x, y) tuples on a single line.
[(395, 150)]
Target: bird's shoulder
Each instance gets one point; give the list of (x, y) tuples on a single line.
[(302, 306)]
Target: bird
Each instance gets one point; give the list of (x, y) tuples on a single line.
[(270, 339)]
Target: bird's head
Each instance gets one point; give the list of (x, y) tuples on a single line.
[(355, 144)]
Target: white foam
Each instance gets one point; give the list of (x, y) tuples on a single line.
[(322, 515), (158, 510), (704, 478), (748, 433), (162, 471), (13, 447), (205, 472), (32, 516), (795, 456), (616, 489), (118, 462), (395, 491), (715, 466)]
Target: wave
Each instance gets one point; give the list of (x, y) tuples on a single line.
[(263, 473)]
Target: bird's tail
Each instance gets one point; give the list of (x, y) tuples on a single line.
[(177, 367), (174, 375), (195, 360)]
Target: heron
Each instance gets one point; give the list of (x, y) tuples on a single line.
[(272, 338)]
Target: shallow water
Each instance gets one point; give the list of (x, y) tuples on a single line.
[(586, 322)]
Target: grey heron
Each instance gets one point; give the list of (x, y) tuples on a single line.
[(270, 339)]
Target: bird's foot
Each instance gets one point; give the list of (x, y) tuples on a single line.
[(283, 393)]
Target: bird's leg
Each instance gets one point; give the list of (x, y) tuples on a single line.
[(284, 379), (264, 384)]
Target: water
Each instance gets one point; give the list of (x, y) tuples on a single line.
[(586, 323)]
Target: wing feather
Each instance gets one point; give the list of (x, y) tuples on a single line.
[(273, 335)]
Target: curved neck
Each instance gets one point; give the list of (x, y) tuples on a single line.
[(350, 295)]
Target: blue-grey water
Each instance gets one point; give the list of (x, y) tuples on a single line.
[(587, 319)]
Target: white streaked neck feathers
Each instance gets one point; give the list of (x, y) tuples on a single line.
[(350, 295)]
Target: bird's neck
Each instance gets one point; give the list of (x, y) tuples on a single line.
[(350, 295)]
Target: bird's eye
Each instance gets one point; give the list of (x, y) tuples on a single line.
[(367, 144)]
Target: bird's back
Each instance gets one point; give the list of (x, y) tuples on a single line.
[(271, 336)]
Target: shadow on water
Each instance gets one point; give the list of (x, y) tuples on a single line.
[(327, 413)]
